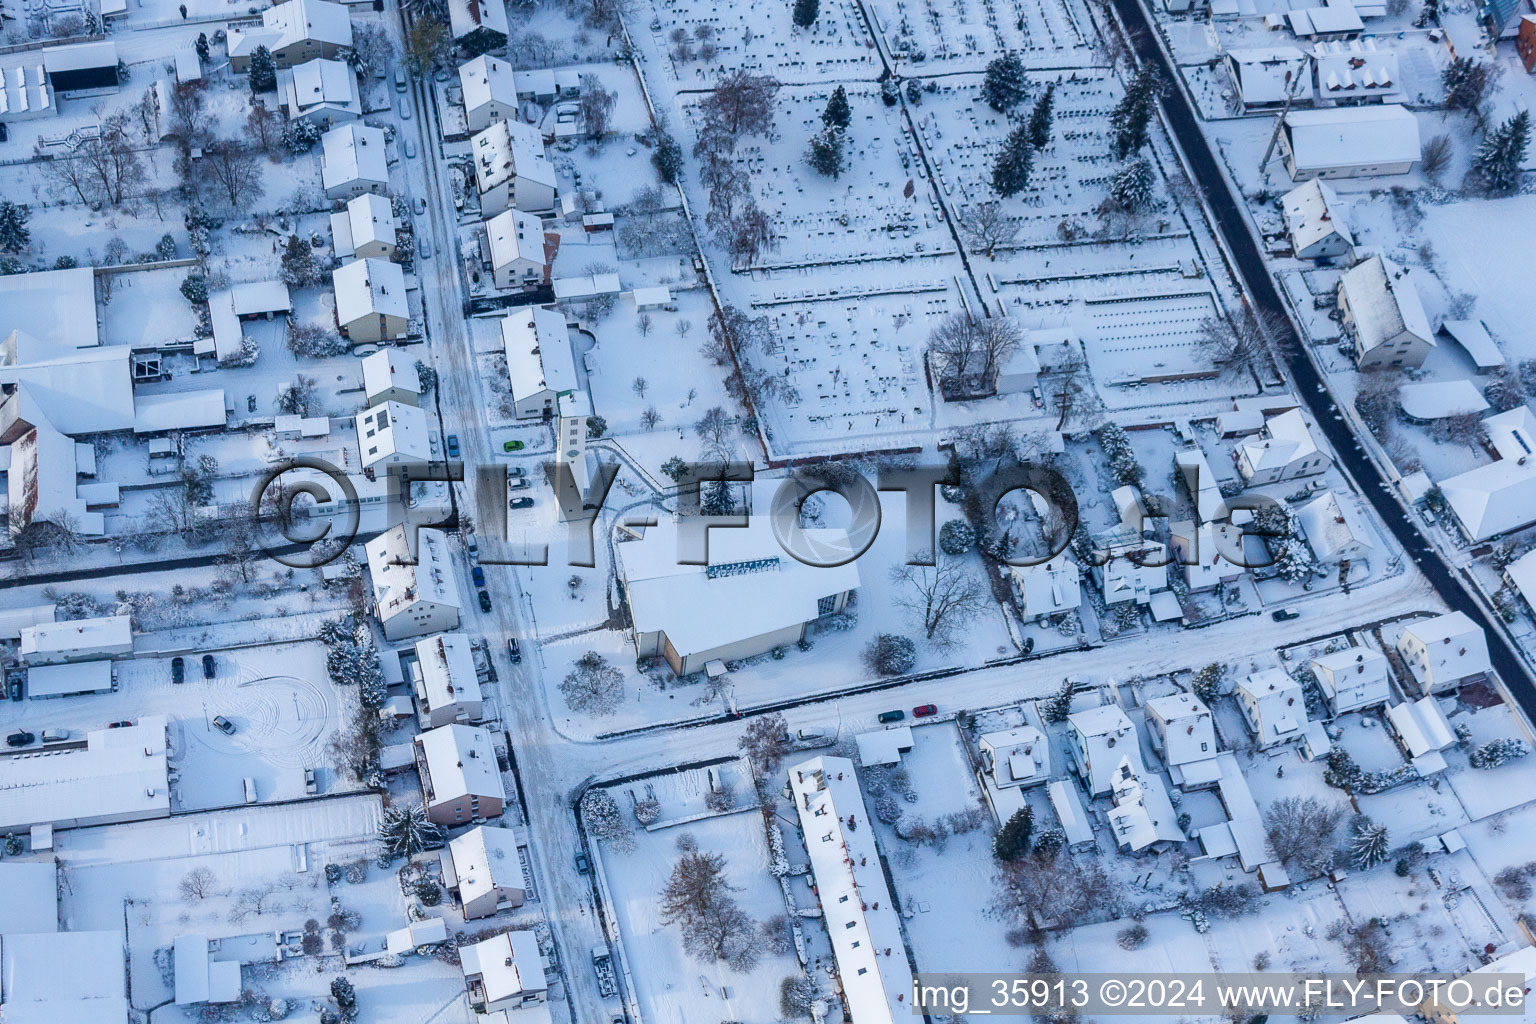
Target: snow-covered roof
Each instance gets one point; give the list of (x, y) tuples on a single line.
[(509, 149), (80, 390), (1445, 649), (368, 218), (390, 368), (850, 883), (883, 746), (1286, 439), (109, 634), (25, 91), (1352, 678), (64, 978), (80, 56), (188, 67), (1189, 737), (14, 620), (1336, 17), (369, 287), (1070, 812), (43, 470), (750, 587), (29, 896), (1019, 756), (255, 298), (1051, 586), (1438, 399), (319, 83), (401, 579), (1312, 213), (507, 966), (1473, 336), (1522, 574), (515, 235), (1512, 433), (1384, 303), (180, 410), (1353, 136), (1422, 726), (1202, 483), (201, 979), (538, 351), (56, 306), (119, 775), (1493, 499), (487, 79), (466, 16), (1104, 734), (1278, 710), (1264, 75), (1143, 814), (460, 762), (586, 286), (1355, 70), (295, 21), (69, 678), (447, 670), (392, 431), (352, 153), (1334, 530), (484, 860)]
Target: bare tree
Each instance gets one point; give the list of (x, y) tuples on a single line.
[(1437, 156), (698, 897), (943, 598), (371, 50), (650, 418), (237, 173), (742, 104), (1300, 831), (189, 122), (198, 884), (596, 106), (262, 125), (987, 227), (749, 234), (765, 742), (67, 171), (150, 115), (593, 686), (1241, 343), (112, 164), (970, 350), (644, 324), (716, 427)]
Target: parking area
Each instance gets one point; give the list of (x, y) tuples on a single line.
[(279, 701)]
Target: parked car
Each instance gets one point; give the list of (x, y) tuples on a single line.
[(405, 108), (410, 150), (224, 725), (400, 80), (421, 205), (512, 446), (16, 689), (178, 670), (520, 503), (453, 446), (887, 717), (1284, 614), (124, 724), (516, 471), (424, 249), (311, 784), (472, 546), (517, 483), (478, 575), (925, 710), (250, 403), (19, 738), (515, 650), (583, 866), (209, 669), (485, 601), (55, 735)]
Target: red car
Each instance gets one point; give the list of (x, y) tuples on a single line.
[(925, 710)]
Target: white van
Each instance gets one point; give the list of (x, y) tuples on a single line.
[(250, 791)]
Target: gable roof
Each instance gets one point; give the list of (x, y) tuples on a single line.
[(1312, 214), (1352, 136)]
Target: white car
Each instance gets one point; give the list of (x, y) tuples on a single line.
[(410, 150), (421, 206)]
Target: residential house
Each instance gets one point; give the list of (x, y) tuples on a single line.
[(366, 229), (1209, 554), (540, 366), (1272, 706), (505, 972), (485, 870), (1100, 737), (294, 32), (478, 25), (1521, 575), (1052, 587), (353, 161), (1444, 652), (1283, 450), (389, 375), (1202, 484), (1423, 732), (1350, 142), (512, 169), (1498, 498), (1382, 307), (1525, 42), (393, 434), (1267, 77), (322, 92), (230, 309), (72, 640), (490, 92), (749, 599), (1424, 402), (1185, 737), (1130, 567), (1355, 72), (1016, 757), (460, 780), (873, 976), (1334, 529), (447, 687), (370, 301), (517, 250), (1315, 222), (200, 978), (413, 592), (1352, 679), (1335, 19), (1142, 816)]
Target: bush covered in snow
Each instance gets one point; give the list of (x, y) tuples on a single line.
[(1497, 752), (890, 655)]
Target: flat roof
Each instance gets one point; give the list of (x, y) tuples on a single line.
[(179, 410), (52, 305), (1353, 136), (69, 678), (120, 775)]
